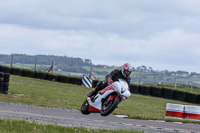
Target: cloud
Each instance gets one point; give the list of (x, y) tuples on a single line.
[(155, 33), (124, 17)]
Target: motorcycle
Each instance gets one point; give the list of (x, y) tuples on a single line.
[(106, 100)]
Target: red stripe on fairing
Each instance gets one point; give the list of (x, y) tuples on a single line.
[(174, 114), (192, 116), (111, 97), (107, 89), (93, 109)]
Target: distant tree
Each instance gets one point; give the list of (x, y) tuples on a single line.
[(193, 73), (182, 72), (150, 69), (46, 59)]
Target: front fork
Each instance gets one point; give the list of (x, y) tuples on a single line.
[(110, 98)]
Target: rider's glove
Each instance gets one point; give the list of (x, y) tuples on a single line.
[(109, 80)]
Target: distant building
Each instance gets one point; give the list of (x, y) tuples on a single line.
[(76, 74)]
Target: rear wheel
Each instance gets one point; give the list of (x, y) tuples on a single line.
[(85, 107), (108, 106)]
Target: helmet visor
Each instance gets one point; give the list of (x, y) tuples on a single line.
[(127, 73)]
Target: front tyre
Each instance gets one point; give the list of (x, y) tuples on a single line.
[(109, 106), (85, 107)]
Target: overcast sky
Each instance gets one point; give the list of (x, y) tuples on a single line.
[(162, 34)]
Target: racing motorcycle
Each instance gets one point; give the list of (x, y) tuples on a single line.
[(106, 100)]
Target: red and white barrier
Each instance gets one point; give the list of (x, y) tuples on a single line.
[(192, 112), (174, 111), (182, 111)]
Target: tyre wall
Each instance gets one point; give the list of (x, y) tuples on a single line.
[(63, 79), (167, 93), (16, 71), (4, 82), (5, 69), (191, 98), (134, 88), (94, 83), (144, 90), (52, 77), (156, 92), (28, 73), (198, 99), (179, 95), (1, 82), (40, 75), (76, 81)]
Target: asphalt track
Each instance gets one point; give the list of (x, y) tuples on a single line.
[(67, 117)]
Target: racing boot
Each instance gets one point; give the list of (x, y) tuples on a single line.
[(91, 94), (100, 86)]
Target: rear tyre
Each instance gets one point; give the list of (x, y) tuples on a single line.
[(109, 106), (85, 107)]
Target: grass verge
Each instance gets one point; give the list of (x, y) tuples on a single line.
[(53, 94), (22, 126)]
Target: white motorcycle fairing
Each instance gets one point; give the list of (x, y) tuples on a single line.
[(96, 106), (119, 88)]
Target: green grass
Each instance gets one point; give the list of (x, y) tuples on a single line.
[(147, 77), (181, 88), (44, 93), (98, 69), (22, 126), (28, 66), (54, 94)]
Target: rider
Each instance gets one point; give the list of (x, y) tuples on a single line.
[(112, 77)]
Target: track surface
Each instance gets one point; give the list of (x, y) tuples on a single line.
[(66, 117)]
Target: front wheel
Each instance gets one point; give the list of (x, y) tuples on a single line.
[(109, 106), (85, 107)]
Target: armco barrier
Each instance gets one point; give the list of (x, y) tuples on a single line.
[(174, 111), (192, 112)]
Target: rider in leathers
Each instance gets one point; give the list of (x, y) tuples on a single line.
[(116, 74)]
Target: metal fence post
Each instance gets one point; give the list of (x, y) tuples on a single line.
[(155, 79), (12, 60), (175, 84), (191, 87), (52, 70), (41, 65), (35, 63), (23, 64)]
